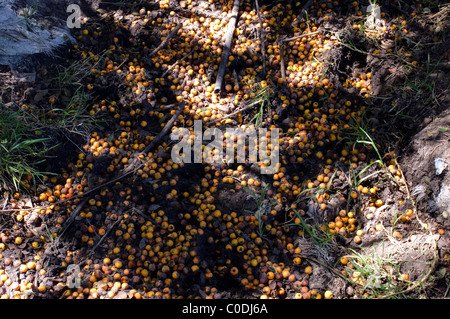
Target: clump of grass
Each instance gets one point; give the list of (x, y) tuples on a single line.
[(73, 118), (423, 86), (363, 137), (317, 240), (377, 276), (74, 74), (73, 115), (320, 236), (260, 96), (263, 207), (29, 12), (21, 150), (357, 136), (310, 193)]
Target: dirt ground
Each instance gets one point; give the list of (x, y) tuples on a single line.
[(282, 247)]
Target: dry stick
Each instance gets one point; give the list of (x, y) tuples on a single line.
[(262, 38), (236, 79), (5, 202), (283, 71), (122, 63), (72, 217), (281, 43), (230, 114), (165, 130), (334, 271), (165, 107), (226, 52), (304, 9), (176, 63), (300, 36), (143, 215), (53, 243), (410, 196), (166, 40), (136, 164), (106, 233), (67, 224)]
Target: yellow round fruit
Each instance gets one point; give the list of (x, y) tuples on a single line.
[(328, 294)]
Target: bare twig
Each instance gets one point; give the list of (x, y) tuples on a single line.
[(135, 210), (176, 63), (283, 71), (54, 244), (165, 130), (302, 13), (236, 79), (261, 38), (107, 232), (300, 36), (227, 46), (334, 271), (230, 114), (166, 40), (72, 217)]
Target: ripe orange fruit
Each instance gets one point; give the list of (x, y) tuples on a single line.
[(344, 260)]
